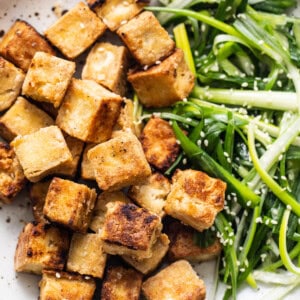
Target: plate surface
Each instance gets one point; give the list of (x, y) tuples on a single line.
[(40, 14)]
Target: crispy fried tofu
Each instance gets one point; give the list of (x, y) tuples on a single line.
[(121, 283), (152, 194), (146, 39), (69, 168), (89, 111), (11, 80), (41, 152), (130, 230), (75, 31), (107, 64), (41, 246), (70, 204), (164, 84), (159, 143), (119, 162), (21, 42), (23, 118), (147, 265), (100, 208), (48, 78), (195, 198), (183, 245), (86, 255), (12, 178), (86, 168), (62, 285), (178, 281), (37, 194), (114, 13)]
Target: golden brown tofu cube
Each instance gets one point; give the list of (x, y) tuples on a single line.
[(159, 143), (183, 244), (178, 281), (41, 152), (86, 168), (100, 208), (37, 194), (130, 230), (41, 246), (86, 255), (195, 198), (20, 44), (121, 283), (107, 64), (62, 285), (164, 84), (12, 178), (23, 118), (146, 39), (70, 204), (119, 162), (69, 168), (75, 31), (152, 194), (147, 265), (48, 78), (114, 13), (11, 80), (89, 111)]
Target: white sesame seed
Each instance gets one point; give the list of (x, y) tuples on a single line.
[(184, 99), (188, 119), (248, 203), (178, 142), (205, 142), (123, 22), (184, 161), (288, 207), (244, 84), (158, 62), (199, 143), (146, 68), (258, 220), (57, 275)]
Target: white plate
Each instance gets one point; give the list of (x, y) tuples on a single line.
[(13, 217)]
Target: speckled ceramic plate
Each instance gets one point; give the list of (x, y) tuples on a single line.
[(41, 14)]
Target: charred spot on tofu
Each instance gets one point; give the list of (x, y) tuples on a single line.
[(129, 229), (12, 178), (63, 285), (41, 246), (159, 143), (195, 198), (121, 283), (21, 42)]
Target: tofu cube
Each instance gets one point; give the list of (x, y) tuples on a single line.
[(37, 195), (195, 198), (178, 281), (130, 230), (159, 143), (23, 118), (184, 246), (121, 283), (164, 84), (86, 168), (69, 168), (119, 162), (114, 13), (147, 265), (12, 179), (21, 42), (86, 255), (100, 208), (126, 120), (107, 64), (89, 111), (70, 204), (152, 194), (62, 285), (11, 80), (48, 78), (75, 31), (146, 39), (41, 246), (41, 152)]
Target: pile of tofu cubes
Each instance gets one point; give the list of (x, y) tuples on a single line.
[(103, 208)]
